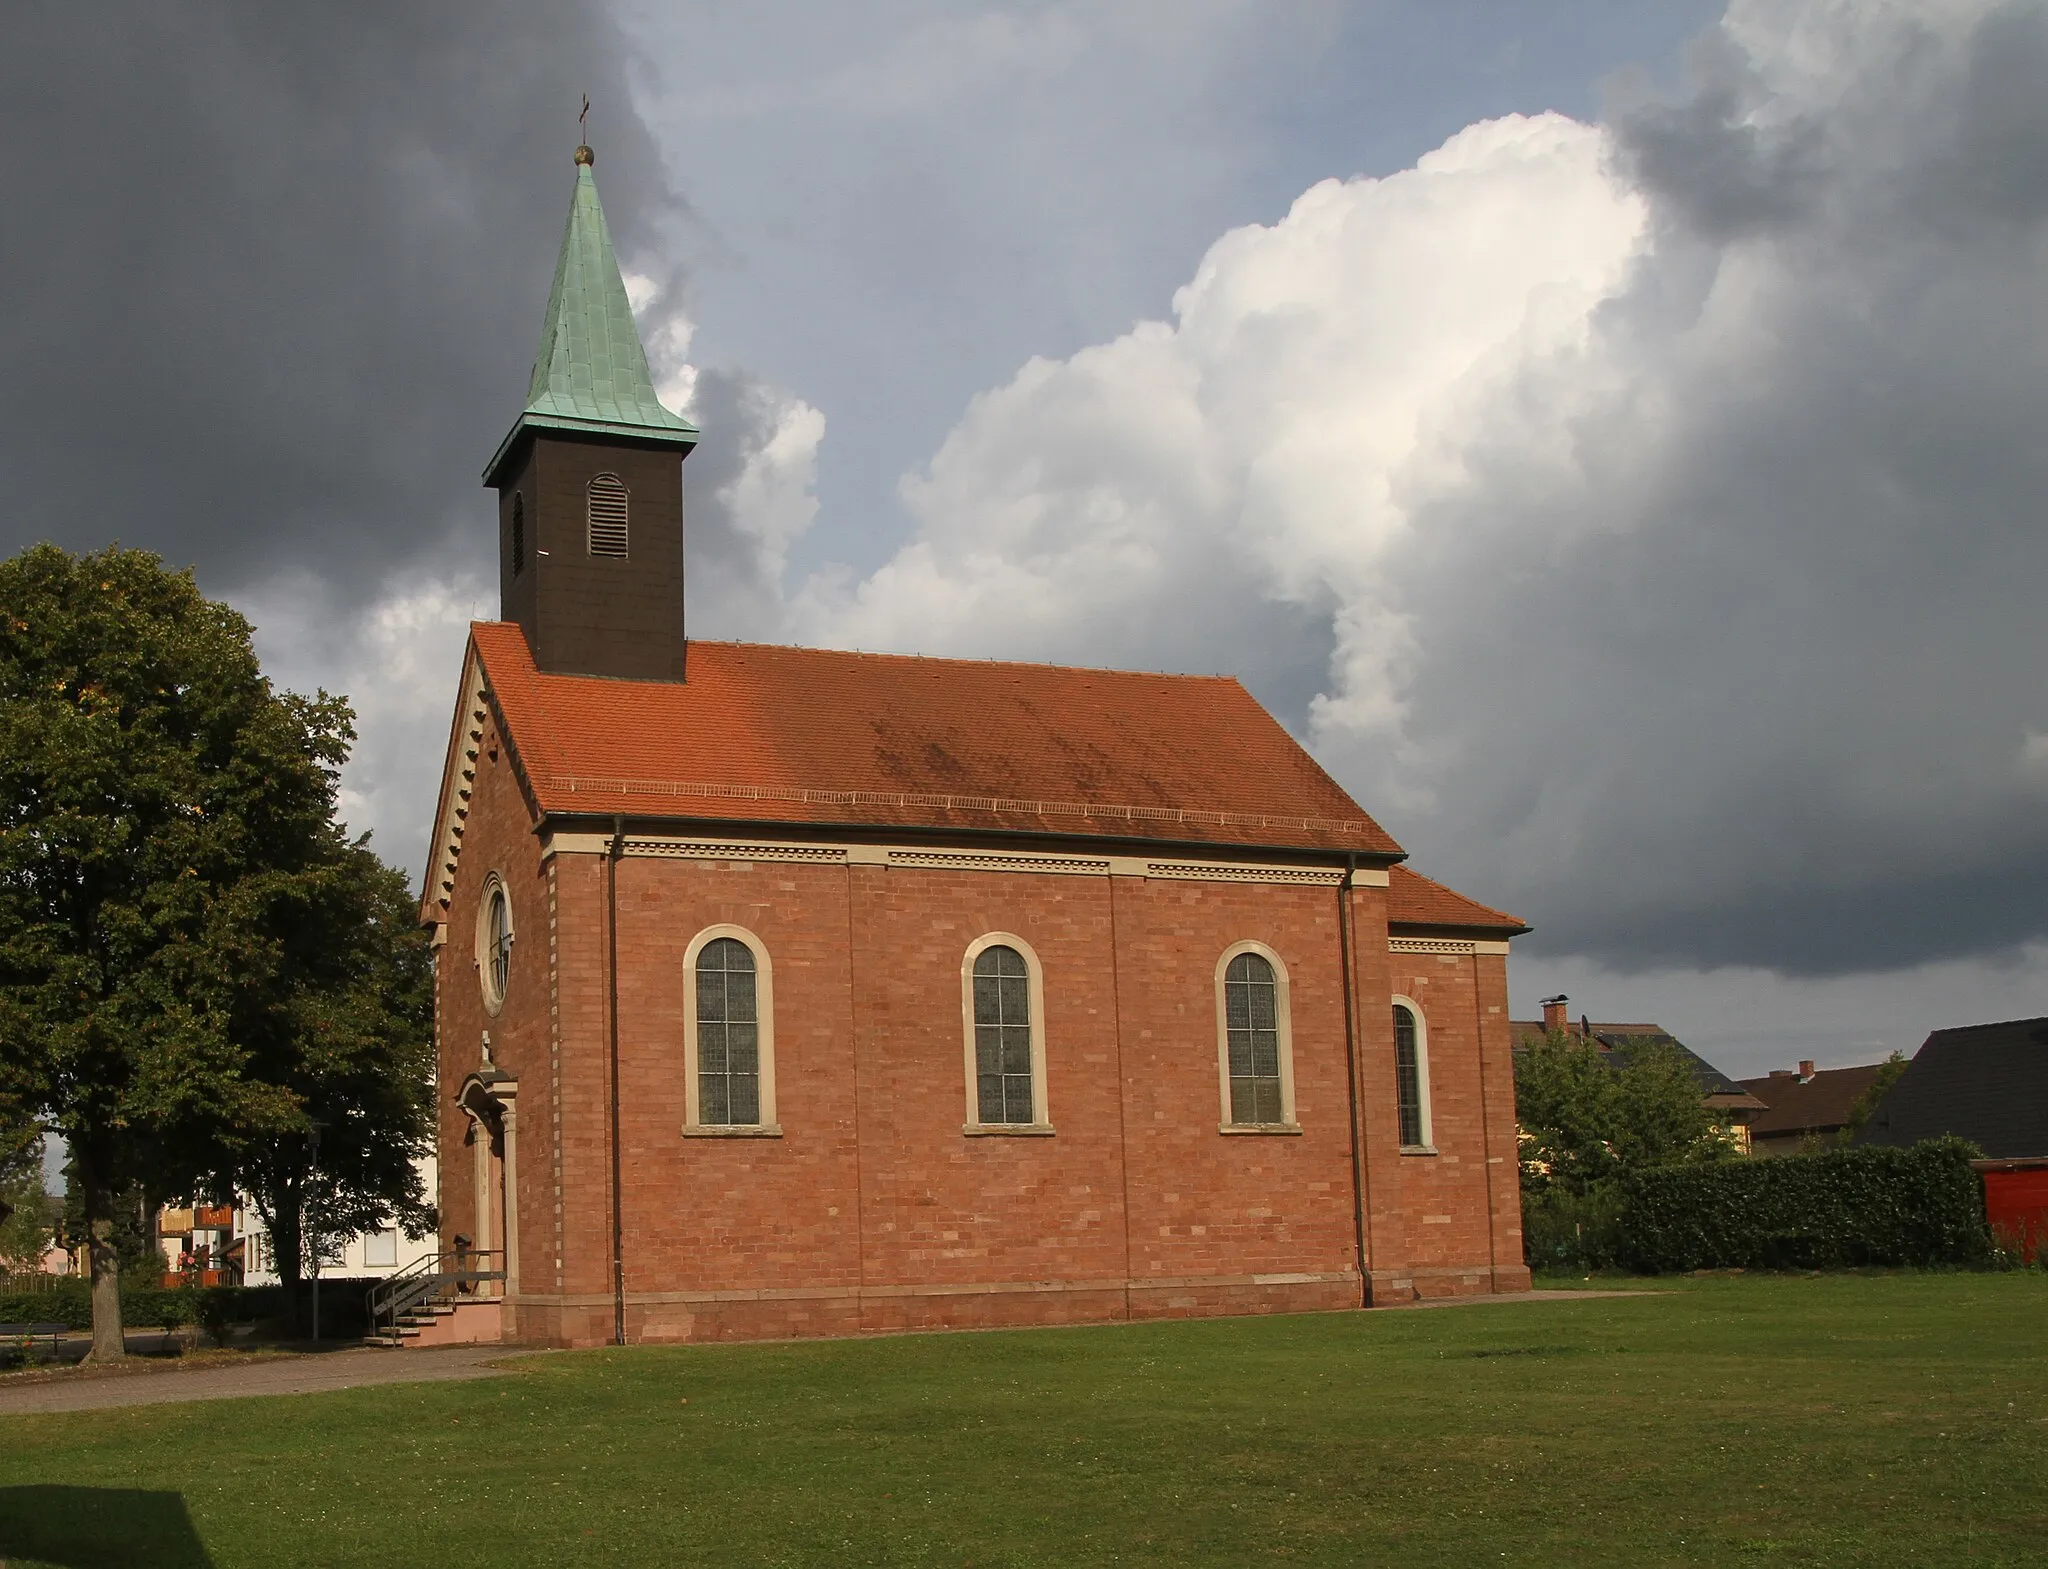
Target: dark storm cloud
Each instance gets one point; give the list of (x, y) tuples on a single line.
[(271, 276), (1748, 668)]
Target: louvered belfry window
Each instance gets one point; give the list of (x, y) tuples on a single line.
[(518, 534), (728, 1036), (1002, 1036), (1251, 1011), (607, 493)]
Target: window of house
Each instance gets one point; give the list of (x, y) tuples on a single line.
[(1004, 1008), (494, 942), (730, 1033), (1411, 1075), (1254, 1040), (606, 495), (518, 534), (380, 1248)]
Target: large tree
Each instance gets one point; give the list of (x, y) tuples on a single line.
[(340, 1013), (156, 794), (1587, 1115)]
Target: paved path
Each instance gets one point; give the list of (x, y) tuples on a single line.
[(298, 1375)]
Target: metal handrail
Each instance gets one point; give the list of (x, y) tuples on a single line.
[(425, 1279)]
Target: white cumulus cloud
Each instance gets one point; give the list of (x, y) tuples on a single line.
[(1644, 518)]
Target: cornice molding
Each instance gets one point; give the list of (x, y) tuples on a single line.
[(1445, 945), (928, 858), (466, 744)]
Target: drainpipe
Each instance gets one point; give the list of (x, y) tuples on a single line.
[(1351, 1076), (611, 927)]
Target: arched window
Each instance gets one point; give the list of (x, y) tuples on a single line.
[(1411, 1075), (606, 496), (1254, 1041), (729, 1034), (1004, 1007), (518, 533), (494, 942)]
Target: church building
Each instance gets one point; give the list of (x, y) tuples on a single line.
[(787, 991)]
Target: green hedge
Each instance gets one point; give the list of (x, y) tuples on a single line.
[(1578, 1232), (1841, 1209), (69, 1302)]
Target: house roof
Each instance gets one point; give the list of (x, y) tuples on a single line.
[(1987, 1083), (591, 372), (1415, 900), (1615, 1039), (815, 736), (1820, 1104)]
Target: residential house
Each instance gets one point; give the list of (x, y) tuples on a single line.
[(237, 1248), (1805, 1107), (1987, 1083)]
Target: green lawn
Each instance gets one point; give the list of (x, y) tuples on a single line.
[(1895, 1420)]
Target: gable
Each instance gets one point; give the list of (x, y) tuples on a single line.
[(475, 715)]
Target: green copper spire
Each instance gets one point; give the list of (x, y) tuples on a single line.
[(591, 373)]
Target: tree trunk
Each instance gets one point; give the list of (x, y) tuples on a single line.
[(287, 1246), (109, 1344)]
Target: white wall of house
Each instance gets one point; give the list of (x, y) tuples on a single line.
[(374, 1253)]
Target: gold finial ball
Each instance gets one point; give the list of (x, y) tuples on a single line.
[(585, 156)]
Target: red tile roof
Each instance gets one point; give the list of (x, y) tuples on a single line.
[(802, 735), (1414, 900)]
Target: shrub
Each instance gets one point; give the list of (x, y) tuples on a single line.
[(212, 1308), (1572, 1231), (1840, 1209), (65, 1302)]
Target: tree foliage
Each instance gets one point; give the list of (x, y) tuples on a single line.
[(1587, 1115), (28, 1215), (1889, 1072), (343, 1019), (169, 863)]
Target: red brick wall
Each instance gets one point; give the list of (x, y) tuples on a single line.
[(496, 837), (873, 1209)]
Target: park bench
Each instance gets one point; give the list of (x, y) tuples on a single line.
[(24, 1336)]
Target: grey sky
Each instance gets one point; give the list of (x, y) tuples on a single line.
[(1719, 647), (270, 273)]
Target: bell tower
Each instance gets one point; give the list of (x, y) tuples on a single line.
[(590, 479)]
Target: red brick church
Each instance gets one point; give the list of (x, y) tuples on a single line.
[(786, 991)]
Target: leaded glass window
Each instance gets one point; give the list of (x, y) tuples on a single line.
[(728, 1036), (498, 940), (1408, 1074), (1002, 1037), (1251, 1016)]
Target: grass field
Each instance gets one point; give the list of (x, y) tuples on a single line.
[(1894, 1420)]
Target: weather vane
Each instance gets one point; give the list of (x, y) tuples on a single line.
[(582, 126)]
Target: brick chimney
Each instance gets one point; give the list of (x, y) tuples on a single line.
[(1805, 1069), (1555, 1019)]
